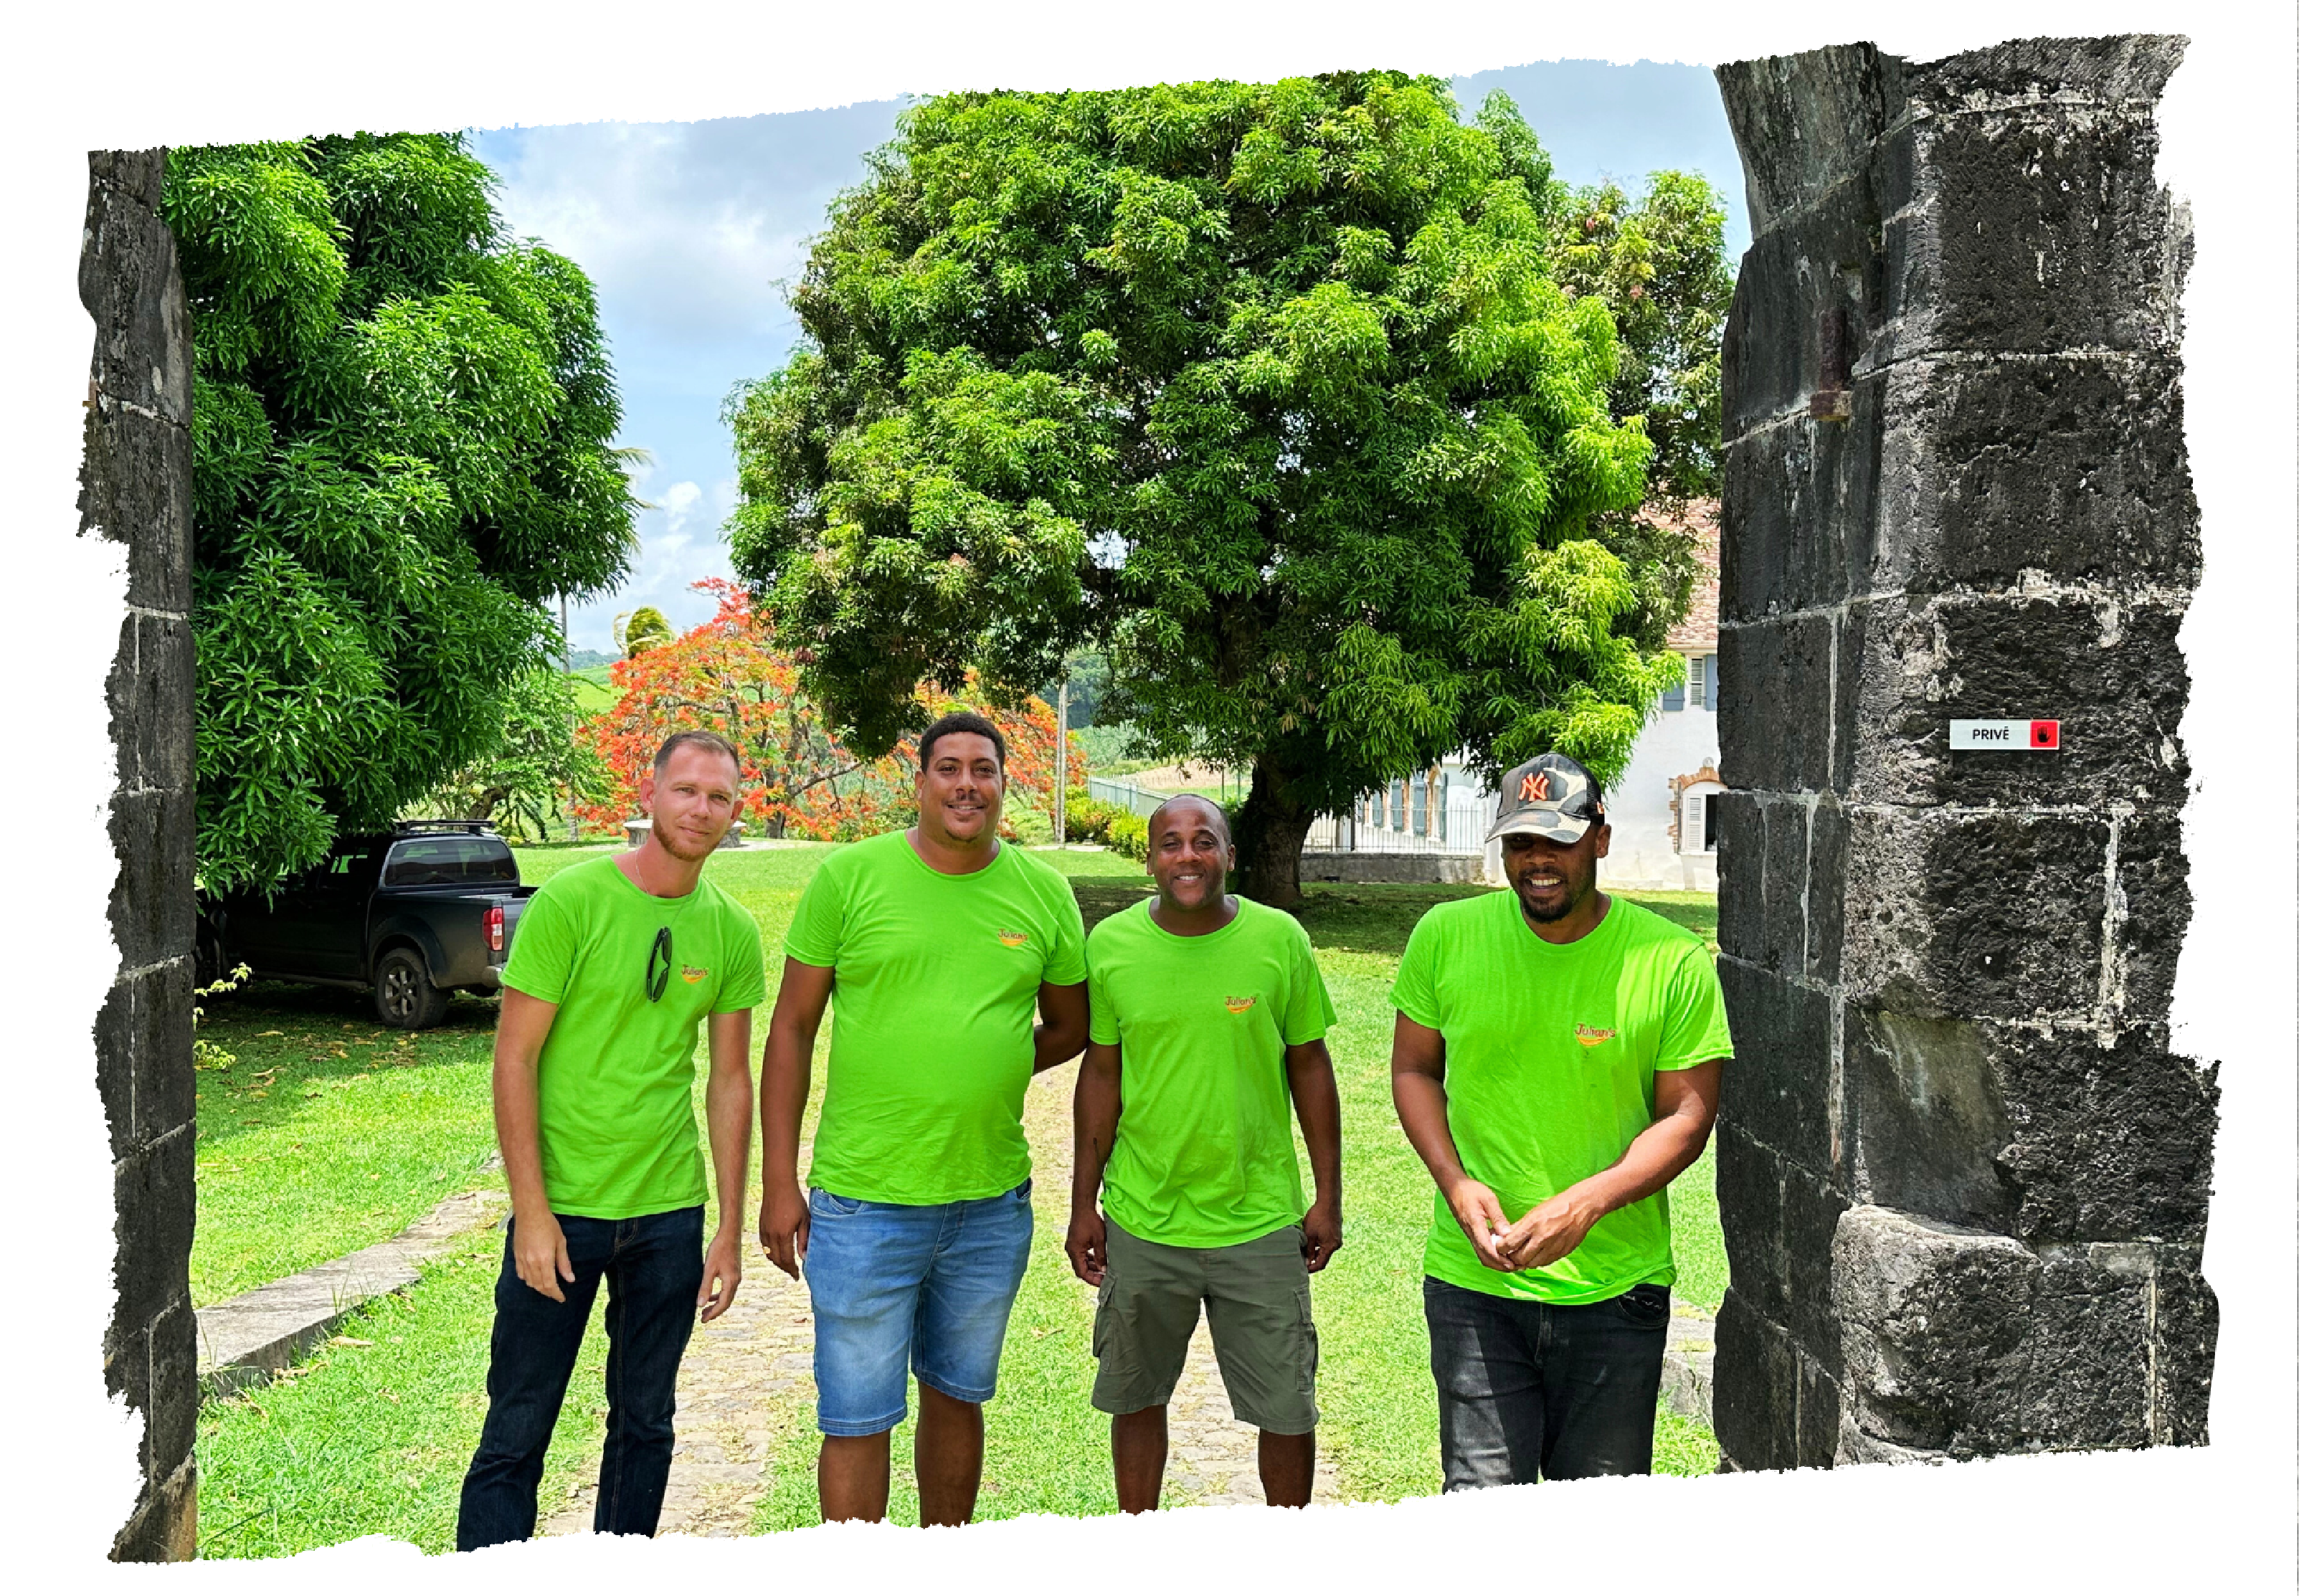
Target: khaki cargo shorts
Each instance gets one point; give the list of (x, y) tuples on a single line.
[(1257, 1298)]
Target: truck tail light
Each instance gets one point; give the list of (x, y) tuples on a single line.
[(493, 920)]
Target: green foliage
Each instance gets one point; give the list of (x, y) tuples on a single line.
[(638, 630), (535, 766), (1087, 819), (399, 431), (1658, 264), (1268, 392)]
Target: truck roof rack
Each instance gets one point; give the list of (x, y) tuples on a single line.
[(484, 827)]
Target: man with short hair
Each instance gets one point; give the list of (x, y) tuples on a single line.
[(618, 961), (1209, 1017), (1555, 1064), (938, 945)]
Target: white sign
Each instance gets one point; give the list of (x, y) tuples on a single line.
[(2026, 736)]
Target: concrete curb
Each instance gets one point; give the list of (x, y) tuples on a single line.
[(247, 1339), (1687, 1368)]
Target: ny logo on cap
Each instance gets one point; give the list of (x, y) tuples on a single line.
[(1533, 788)]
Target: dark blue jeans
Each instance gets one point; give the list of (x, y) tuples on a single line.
[(652, 1266), (1530, 1390)]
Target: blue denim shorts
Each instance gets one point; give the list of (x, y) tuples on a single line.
[(900, 1288)]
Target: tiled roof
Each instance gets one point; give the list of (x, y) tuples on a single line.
[(1696, 633)]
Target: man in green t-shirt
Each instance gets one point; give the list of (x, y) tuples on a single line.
[(1210, 1018), (1555, 1064), (616, 963), (938, 946)]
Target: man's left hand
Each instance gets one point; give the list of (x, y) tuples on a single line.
[(1321, 1234), (1549, 1232), (722, 1272)]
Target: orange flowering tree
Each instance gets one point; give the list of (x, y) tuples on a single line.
[(730, 677)]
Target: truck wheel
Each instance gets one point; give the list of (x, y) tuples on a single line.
[(207, 956), (404, 998)]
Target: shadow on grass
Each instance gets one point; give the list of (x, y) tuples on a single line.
[(285, 1038)]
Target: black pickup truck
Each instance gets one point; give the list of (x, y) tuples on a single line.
[(413, 915)]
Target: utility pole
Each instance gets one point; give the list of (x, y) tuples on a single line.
[(567, 663), (1062, 759)]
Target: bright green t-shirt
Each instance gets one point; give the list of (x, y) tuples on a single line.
[(1550, 1051), (1204, 1155), (933, 999), (616, 1084)]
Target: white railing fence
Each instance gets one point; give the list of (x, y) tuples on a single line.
[(1391, 823)]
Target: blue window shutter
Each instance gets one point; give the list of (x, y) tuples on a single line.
[(1672, 697)]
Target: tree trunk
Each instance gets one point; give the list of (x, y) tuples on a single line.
[(482, 807), (1270, 827)]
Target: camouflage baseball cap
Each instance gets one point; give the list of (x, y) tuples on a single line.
[(1550, 796)]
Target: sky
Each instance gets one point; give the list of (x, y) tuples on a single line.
[(689, 230)]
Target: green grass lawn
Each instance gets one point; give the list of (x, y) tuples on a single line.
[(594, 689), (331, 1133)]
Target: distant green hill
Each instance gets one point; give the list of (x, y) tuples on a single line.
[(593, 691)]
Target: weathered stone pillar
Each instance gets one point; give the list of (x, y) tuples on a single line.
[(1963, 1178), (136, 488)]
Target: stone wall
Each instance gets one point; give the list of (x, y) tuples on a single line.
[(1963, 1178), (136, 489)]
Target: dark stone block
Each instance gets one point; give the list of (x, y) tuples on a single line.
[(1800, 510), (2152, 906), (173, 1417), (2038, 230), (1780, 921), (2126, 71), (150, 690), (129, 283), (1824, 906), (152, 1198), (1740, 874), (1748, 1204), (1804, 122), (1810, 1206), (115, 1064), (127, 1375), (1819, 1410), (1826, 260), (2110, 673), (1924, 1113), (1774, 720), (1973, 1344), (2187, 1332), (1755, 1391), (1982, 916), (142, 174), (135, 484), (2106, 1143), (1934, 1318), (152, 900), (2074, 465), (167, 1091), (2086, 1359), (1776, 1088), (165, 1526), (144, 1055)]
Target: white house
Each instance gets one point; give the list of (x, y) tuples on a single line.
[(1663, 831)]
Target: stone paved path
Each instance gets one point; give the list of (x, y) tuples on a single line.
[(763, 1345)]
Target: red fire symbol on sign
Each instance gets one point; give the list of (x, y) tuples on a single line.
[(2043, 734)]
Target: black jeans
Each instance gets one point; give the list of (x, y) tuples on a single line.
[(1530, 1390), (652, 1266)]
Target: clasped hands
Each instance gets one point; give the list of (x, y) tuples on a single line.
[(1545, 1234)]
